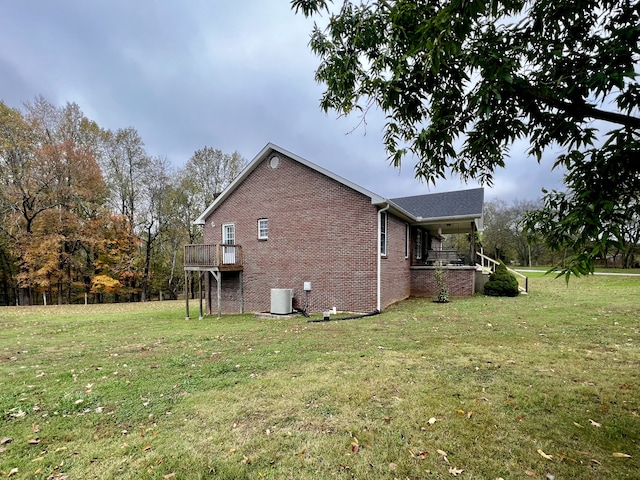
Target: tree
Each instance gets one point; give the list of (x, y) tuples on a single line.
[(210, 171), (461, 81), (504, 237), (52, 186), (155, 217), (125, 164)]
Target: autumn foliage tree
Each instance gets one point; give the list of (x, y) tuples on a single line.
[(53, 187), (87, 212)]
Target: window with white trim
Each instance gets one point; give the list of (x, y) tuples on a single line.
[(228, 233), (229, 247), (383, 233), (263, 228)]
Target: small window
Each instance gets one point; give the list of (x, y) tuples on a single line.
[(383, 233), (263, 229)]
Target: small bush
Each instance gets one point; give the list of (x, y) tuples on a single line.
[(443, 289), (502, 283)]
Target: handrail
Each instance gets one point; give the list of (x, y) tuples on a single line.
[(491, 266), (215, 255)]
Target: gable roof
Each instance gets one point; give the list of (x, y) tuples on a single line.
[(268, 151), (450, 205), (457, 204)]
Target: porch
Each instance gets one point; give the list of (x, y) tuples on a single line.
[(212, 260)]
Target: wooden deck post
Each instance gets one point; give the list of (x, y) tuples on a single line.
[(241, 294), (219, 294), (186, 292), (200, 294)]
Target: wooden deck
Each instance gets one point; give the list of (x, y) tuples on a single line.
[(217, 257)]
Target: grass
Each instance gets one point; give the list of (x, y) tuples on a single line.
[(489, 386)]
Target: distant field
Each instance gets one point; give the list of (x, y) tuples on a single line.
[(599, 270), (480, 388)]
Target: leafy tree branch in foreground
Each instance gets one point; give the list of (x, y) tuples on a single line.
[(460, 81)]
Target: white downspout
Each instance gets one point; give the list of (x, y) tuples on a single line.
[(380, 253)]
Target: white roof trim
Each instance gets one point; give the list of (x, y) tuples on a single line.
[(262, 155)]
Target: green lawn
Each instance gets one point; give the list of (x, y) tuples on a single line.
[(483, 388)]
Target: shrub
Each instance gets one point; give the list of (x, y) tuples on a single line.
[(502, 283), (443, 290)]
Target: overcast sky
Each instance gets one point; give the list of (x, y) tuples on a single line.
[(232, 75)]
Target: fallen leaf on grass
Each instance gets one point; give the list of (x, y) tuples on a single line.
[(35, 427), (455, 471), (169, 475), (432, 420), (594, 423), (562, 456), (33, 441), (13, 472), (420, 455), (6, 440), (530, 473), (548, 457), (444, 455), (146, 448), (621, 455), (355, 446)]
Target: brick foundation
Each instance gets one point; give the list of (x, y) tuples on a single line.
[(459, 280)]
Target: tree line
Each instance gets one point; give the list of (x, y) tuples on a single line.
[(86, 214), (507, 238)]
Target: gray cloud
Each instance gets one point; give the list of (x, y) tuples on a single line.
[(231, 75)]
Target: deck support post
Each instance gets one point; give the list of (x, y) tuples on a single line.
[(186, 292), (219, 294), (241, 294), (218, 277), (200, 294)]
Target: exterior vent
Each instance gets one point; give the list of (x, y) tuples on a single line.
[(281, 301)]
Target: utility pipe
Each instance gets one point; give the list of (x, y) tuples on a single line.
[(380, 252)]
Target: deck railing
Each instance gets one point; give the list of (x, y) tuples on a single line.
[(444, 257), (212, 256)]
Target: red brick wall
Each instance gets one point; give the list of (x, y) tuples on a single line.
[(320, 231), (459, 280), (396, 281)]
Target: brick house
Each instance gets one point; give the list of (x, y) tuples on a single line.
[(286, 223)]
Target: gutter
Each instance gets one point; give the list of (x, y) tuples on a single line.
[(380, 253)]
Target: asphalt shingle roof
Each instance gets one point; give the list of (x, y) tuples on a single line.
[(444, 205)]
